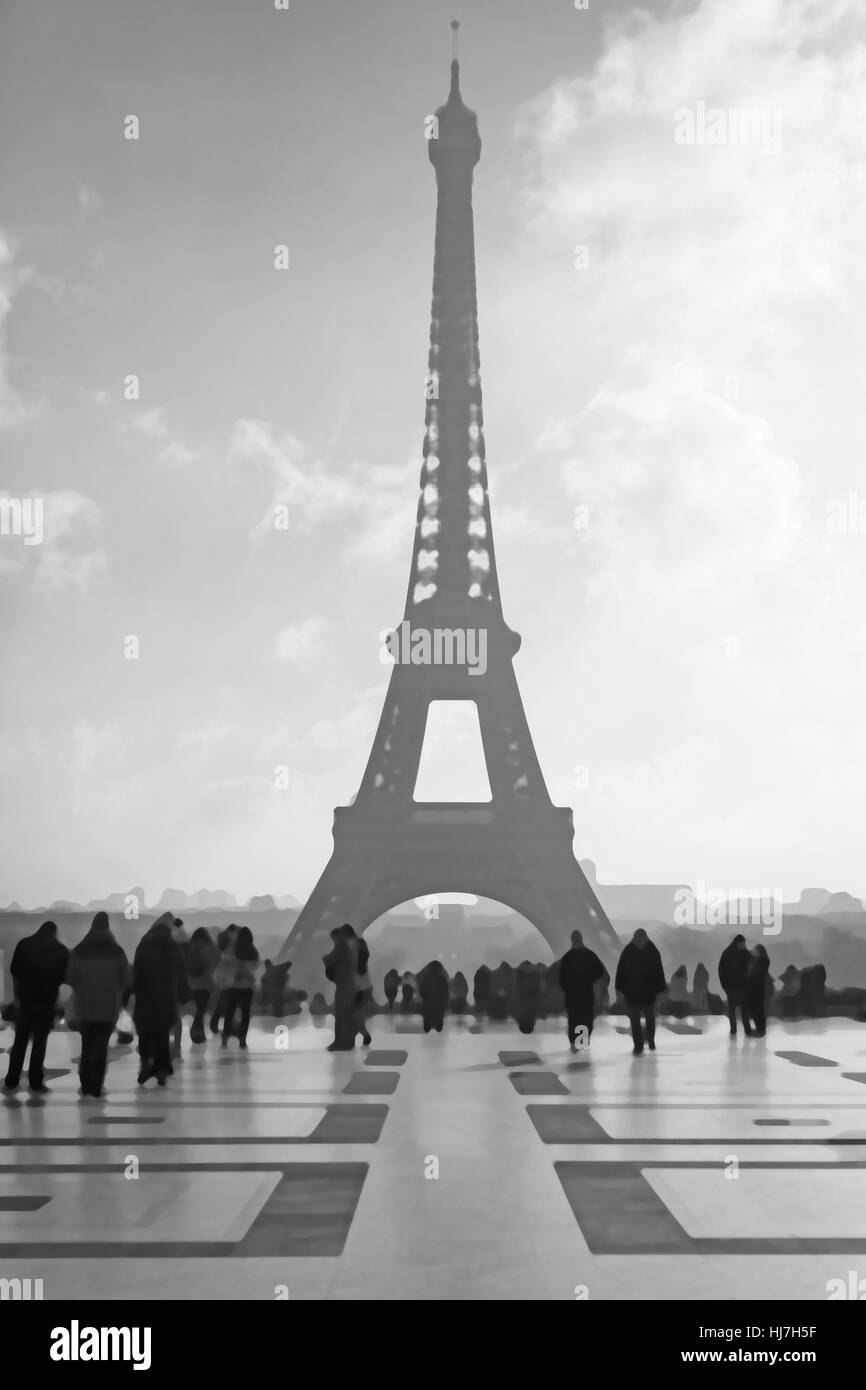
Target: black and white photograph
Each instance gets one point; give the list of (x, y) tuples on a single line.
[(433, 612)]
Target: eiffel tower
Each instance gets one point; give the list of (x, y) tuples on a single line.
[(516, 848)]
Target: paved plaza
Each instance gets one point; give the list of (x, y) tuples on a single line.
[(479, 1164)]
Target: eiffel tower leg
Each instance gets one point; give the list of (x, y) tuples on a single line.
[(358, 887), (334, 900), (569, 904)]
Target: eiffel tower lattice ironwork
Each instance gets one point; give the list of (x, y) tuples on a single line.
[(516, 848)]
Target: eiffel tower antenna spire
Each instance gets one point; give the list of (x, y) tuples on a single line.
[(455, 25)]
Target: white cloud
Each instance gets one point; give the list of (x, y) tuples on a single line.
[(152, 422), (88, 200), (518, 523), (15, 408), (59, 571), (55, 564), (204, 737), (349, 731), (679, 483), (311, 494), (708, 229), (179, 453), (95, 747), (301, 642), (378, 499)]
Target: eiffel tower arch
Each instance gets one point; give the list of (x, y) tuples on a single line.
[(388, 847)]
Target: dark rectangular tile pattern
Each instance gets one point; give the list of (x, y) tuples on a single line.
[(790, 1122), (618, 1212), (566, 1124), (807, 1059), (538, 1083), (341, 1124), (381, 1057), (375, 1083), (308, 1213), (127, 1120), (519, 1059), (350, 1124)]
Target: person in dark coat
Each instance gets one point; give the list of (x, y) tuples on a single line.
[(408, 990), (813, 982), (640, 979), (701, 989), (789, 995), (757, 987), (734, 965), (527, 996), (500, 1001), (434, 987), (392, 988), (364, 1003), (201, 962), (459, 993), (579, 972), (274, 985), (160, 987), (224, 973), (481, 986), (340, 965), (38, 970), (239, 995), (100, 979)]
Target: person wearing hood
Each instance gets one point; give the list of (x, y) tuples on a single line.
[(640, 978), (38, 970), (734, 964), (100, 979), (160, 987)]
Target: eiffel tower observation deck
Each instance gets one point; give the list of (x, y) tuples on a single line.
[(515, 848)]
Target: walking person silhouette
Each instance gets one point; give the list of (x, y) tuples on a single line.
[(640, 978), (579, 971)]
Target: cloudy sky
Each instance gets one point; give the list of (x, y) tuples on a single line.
[(674, 424)]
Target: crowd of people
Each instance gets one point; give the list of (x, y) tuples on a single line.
[(578, 985), (172, 972), (169, 971)]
